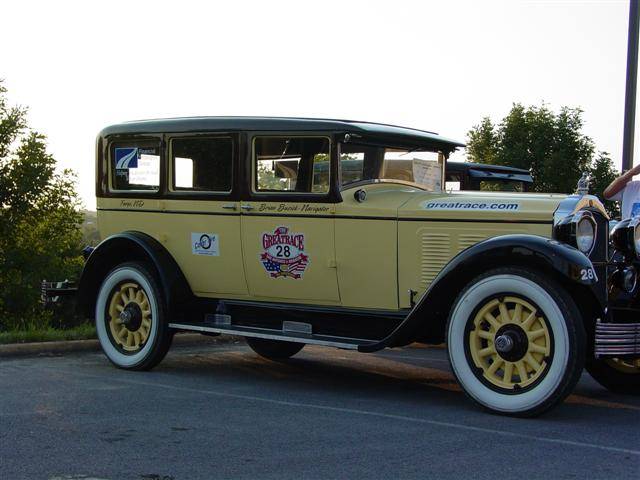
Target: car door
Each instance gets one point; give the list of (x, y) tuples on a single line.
[(202, 230), (288, 220)]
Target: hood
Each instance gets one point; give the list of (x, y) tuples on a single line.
[(503, 206)]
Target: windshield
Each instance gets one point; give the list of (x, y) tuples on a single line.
[(366, 162)]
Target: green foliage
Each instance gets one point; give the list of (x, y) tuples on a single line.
[(482, 142), (550, 145), (89, 227), (80, 332), (267, 179), (602, 174), (39, 218)]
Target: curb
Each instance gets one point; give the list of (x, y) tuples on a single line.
[(72, 346)]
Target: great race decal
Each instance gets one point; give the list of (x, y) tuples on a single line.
[(283, 254), (474, 206)]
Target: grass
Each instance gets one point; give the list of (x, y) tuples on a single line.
[(80, 332)]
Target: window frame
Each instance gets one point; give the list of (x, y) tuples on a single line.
[(209, 194), (331, 196)]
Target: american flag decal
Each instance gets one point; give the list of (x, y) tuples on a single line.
[(283, 254)]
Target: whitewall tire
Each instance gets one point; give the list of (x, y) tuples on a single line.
[(130, 315), (515, 341)]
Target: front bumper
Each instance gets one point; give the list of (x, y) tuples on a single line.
[(617, 340)]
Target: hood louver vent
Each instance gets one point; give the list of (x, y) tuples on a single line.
[(438, 248)]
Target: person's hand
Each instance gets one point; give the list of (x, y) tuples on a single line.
[(635, 170)]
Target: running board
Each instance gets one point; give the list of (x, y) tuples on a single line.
[(291, 333)]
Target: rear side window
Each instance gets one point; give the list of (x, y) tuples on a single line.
[(135, 166), (201, 164)]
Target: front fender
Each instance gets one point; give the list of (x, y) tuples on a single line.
[(525, 249), (529, 251)]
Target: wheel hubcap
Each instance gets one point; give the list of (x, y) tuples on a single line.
[(130, 317), (504, 344), (509, 342)]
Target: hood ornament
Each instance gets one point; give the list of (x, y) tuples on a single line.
[(583, 184)]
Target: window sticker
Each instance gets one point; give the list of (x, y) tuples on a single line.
[(283, 254), (205, 244), (126, 158), (427, 172), (147, 171)]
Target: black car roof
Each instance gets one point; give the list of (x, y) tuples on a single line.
[(201, 124)]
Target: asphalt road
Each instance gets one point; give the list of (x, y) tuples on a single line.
[(220, 411)]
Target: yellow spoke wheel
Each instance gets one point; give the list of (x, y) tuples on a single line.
[(129, 317), (510, 343)]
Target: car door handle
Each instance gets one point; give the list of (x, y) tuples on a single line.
[(229, 206), (246, 207)]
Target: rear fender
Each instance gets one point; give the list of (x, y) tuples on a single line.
[(126, 247)]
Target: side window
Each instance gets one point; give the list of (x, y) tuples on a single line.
[(351, 167), (201, 164), (291, 164), (135, 166)]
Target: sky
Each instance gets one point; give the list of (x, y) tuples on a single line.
[(434, 65)]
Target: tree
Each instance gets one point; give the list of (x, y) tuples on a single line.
[(39, 220), (602, 174), (482, 142), (550, 145)]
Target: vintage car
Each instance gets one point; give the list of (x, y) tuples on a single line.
[(291, 231)]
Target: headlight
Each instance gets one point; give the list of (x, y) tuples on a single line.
[(625, 236), (579, 230), (634, 224), (586, 234)]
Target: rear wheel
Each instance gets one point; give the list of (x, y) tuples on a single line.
[(516, 342), (131, 320), (620, 375), (274, 349)]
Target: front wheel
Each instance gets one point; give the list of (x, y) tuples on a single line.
[(131, 320), (620, 375), (515, 341)]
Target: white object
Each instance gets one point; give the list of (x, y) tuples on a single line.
[(203, 243), (630, 198)]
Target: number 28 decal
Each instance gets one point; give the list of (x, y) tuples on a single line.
[(588, 274), (283, 254)]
